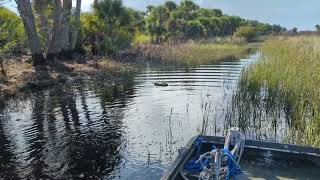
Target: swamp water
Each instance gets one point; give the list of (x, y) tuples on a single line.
[(128, 131)]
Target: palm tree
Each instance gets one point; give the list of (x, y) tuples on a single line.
[(115, 24), (113, 14), (170, 5)]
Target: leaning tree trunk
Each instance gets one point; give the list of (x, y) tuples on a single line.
[(25, 10), (75, 32)]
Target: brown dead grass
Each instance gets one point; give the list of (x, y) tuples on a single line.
[(16, 70)]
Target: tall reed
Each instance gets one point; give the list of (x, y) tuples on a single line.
[(284, 84), (191, 52)]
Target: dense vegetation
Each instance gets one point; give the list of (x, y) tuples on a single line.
[(11, 36), (110, 27), (171, 23), (12, 32), (284, 85), (58, 28)]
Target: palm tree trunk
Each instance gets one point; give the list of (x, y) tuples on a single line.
[(65, 26), (94, 48), (25, 10), (55, 44), (60, 42), (75, 32), (40, 7)]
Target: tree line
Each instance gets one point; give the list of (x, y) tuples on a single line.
[(187, 20), (51, 28)]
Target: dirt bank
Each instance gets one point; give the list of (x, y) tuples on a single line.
[(22, 77)]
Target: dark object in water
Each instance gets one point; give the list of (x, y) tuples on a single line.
[(258, 154), (161, 84)]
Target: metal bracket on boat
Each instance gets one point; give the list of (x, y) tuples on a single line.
[(235, 138), (211, 161)]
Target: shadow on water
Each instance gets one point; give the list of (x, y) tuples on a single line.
[(63, 132)]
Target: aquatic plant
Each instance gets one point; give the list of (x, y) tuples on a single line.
[(281, 90)]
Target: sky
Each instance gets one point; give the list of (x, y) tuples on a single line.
[(303, 14)]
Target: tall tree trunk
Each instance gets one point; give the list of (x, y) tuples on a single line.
[(75, 32), (25, 10), (60, 43), (94, 45), (55, 44), (65, 28), (41, 6)]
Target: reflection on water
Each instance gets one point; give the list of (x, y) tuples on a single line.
[(125, 131)]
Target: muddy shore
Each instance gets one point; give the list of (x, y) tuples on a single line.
[(22, 77)]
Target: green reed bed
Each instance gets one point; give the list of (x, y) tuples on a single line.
[(191, 52), (285, 83)]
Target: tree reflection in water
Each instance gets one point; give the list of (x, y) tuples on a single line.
[(65, 135)]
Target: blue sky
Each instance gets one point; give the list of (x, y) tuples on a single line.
[(289, 13)]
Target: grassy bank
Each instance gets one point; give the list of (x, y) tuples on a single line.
[(284, 84), (190, 53)]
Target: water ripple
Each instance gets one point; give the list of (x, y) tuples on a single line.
[(127, 131)]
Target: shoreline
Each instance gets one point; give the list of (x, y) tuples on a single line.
[(22, 77)]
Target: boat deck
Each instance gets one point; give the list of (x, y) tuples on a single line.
[(260, 160)]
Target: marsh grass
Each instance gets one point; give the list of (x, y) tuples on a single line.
[(283, 85), (192, 52)]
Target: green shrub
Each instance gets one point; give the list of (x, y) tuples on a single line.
[(12, 38), (195, 29), (110, 45), (247, 32), (110, 28), (141, 38)]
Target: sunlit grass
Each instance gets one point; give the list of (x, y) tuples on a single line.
[(141, 38), (288, 76), (193, 53)]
